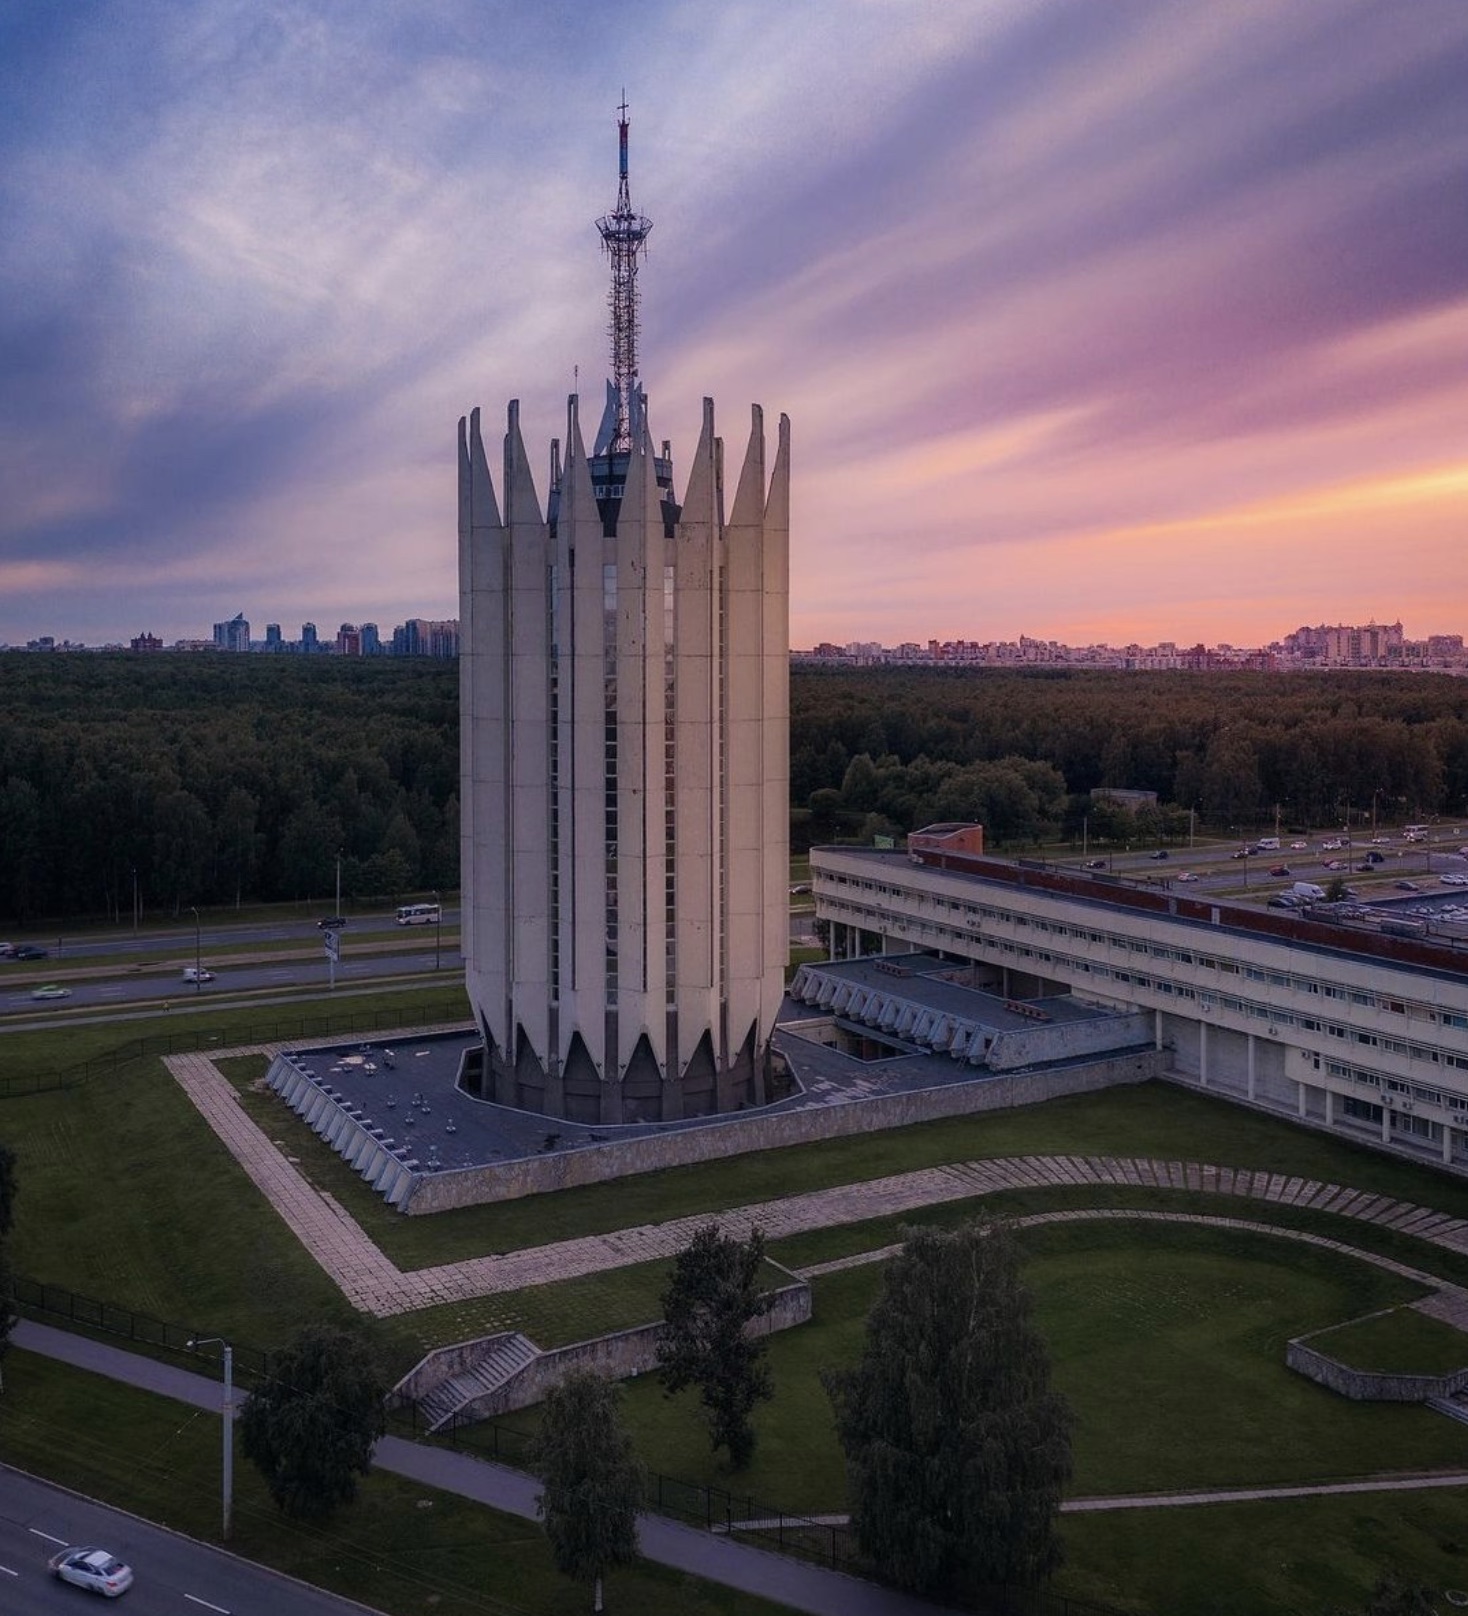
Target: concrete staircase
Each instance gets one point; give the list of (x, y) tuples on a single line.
[(504, 1357), (1455, 1407)]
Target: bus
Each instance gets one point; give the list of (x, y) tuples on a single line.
[(418, 914), (1415, 833)]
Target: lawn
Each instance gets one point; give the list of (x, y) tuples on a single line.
[(1402, 1342), (1168, 1339), (1155, 1120), (401, 1548)]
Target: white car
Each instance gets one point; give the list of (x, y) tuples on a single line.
[(200, 973), (1298, 847), (1451, 880), (1334, 845), (97, 1570), (1187, 875)]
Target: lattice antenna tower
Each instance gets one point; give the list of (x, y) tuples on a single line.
[(624, 236)]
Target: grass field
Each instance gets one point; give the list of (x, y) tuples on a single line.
[(1169, 1339), (400, 1547), (1401, 1342)]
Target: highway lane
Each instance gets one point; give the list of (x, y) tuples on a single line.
[(158, 988), (176, 1576), (100, 946)]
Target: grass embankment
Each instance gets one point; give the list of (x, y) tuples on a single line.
[(1168, 1339), (401, 1547), (1399, 1342)]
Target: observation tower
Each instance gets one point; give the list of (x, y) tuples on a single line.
[(624, 698)]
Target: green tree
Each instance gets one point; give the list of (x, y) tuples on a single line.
[(710, 1304), (310, 1428), (956, 1447), (593, 1483)]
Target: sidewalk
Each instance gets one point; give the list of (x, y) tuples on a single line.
[(793, 1583)]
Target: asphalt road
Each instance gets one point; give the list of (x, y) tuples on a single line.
[(175, 1576), (119, 970)]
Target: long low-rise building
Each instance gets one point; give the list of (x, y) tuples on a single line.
[(1354, 1031)]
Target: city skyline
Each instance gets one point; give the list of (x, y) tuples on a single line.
[(1123, 323)]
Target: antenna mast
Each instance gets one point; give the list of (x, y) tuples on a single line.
[(623, 236)]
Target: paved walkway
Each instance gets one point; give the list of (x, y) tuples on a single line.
[(793, 1583), (374, 1284)]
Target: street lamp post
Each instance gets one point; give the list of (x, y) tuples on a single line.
[(194, 1342), (437, 929), (198, 953)]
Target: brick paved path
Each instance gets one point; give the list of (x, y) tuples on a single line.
[(375, 1285)]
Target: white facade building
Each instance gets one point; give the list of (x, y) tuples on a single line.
[(625, 770), (1358, 1032)]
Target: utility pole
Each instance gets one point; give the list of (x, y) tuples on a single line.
[(227, 1482)]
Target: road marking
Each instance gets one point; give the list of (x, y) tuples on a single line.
[(35, 1531), (205, 1603), (8, 1572)]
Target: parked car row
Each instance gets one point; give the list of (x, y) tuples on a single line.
[(22, 951)]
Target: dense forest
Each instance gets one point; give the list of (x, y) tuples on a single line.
[(890, 749), (215, 779), (211, 779)]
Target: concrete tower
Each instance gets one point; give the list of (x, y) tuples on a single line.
[(624, 673)]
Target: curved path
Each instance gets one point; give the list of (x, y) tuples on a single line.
[(374, 1284)]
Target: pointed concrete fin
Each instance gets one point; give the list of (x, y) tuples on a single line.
[(652, 495), (466, 505), (485, 512), (634, 487), (608, 428), (578, 496), (699, 495), (777, 506), (522, 505), (749, 498)]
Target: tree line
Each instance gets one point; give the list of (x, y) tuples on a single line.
[(175, 781), (892, 749), (192, 780)]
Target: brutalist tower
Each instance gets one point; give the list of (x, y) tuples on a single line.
[(624, 706)]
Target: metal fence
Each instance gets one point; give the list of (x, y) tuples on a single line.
[(55, 1304), (448, 1008)]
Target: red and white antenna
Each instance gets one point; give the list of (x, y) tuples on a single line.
[(623, 237)]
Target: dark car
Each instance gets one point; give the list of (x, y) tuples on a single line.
[(1160, 853), (1095, 864), (333, 923), (29, 951), (1373, 857), (1279, 869)]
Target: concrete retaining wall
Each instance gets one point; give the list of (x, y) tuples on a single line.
[(620, 1355), (750, 1131), (1368, 1385)]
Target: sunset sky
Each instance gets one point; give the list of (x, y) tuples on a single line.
[(1095, 319)]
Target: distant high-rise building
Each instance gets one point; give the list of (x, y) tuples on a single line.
[(309, 643), (421, 637), (233, 635), (349, 640), (624, 679), (371, 644), (146, 642), (273, 642)]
